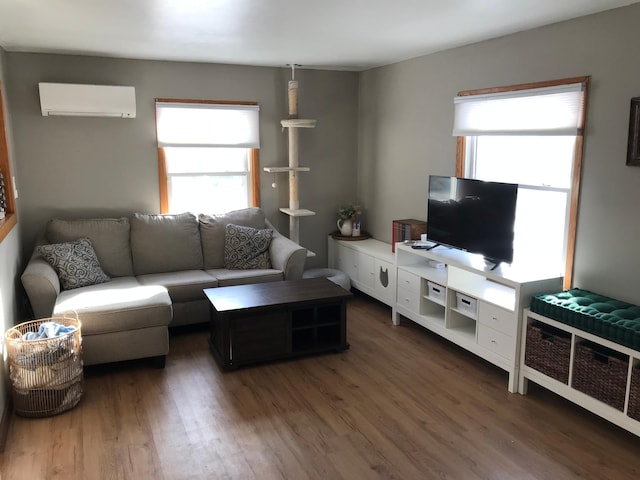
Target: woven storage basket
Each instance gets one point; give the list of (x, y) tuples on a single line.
[(634, 394), (600, 373), (46, 375), (548, 350)]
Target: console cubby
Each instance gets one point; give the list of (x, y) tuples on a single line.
[(478, 308), (548, 350), (432, 312), (593, 372), (600, 372), (634, 390)]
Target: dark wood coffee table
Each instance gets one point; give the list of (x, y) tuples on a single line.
[(275, 320)]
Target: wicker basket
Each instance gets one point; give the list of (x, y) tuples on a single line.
[(46, 375), (548, 350), (601, 373), (634, 394)]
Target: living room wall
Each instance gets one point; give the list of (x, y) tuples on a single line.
[(83, 167), (406, 117), (9, 256)]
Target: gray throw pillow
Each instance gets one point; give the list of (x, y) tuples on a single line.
[(75, 263), (246, 247), (212, 232), (109, 238)]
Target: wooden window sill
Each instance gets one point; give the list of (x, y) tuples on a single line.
[(6, 224)]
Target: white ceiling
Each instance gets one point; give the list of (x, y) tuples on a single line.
[(326, 34)]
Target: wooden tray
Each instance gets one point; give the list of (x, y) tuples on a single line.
[(363, 236)]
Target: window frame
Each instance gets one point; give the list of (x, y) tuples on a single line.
[(461, 156), (10, 220), (254, 159)]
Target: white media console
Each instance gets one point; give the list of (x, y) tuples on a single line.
[(450, 292)]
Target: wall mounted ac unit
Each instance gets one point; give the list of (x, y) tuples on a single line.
[(87, 100)]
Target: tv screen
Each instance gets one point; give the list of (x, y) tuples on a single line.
[(472, 215)]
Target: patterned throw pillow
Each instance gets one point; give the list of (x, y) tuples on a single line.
[(75, 263), (246, 247)]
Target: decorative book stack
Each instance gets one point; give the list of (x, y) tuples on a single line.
[(407, 229)]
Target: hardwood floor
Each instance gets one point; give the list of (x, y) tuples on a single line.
[(400, 404)]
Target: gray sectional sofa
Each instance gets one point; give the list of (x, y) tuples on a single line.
[(153, 271)]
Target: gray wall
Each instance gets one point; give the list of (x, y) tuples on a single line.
[(406, 115), (395, 120), (103, 166), (9, 254)]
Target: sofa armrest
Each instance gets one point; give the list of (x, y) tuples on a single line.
[(286, 255), (42, 285)]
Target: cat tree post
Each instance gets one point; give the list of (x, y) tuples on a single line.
[(294, 201), (293, 124)]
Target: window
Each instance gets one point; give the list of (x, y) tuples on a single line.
[(207, 155), (542, 168), (9, 221), (531, 135)]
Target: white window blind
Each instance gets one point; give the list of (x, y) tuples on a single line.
[(207, 125), (553, 110)]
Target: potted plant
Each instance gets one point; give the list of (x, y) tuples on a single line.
[(346, 216), (349, 212)]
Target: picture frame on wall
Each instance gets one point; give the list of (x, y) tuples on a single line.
[(633, 147)]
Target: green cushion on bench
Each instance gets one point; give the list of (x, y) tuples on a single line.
[(602, 316)]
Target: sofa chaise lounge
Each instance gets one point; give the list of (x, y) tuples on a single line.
[(152, 272)]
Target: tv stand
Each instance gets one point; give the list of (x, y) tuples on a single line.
[(467, 302)]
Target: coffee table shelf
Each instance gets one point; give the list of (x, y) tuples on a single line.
[(316, 329)]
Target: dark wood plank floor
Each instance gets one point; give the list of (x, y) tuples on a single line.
[(400, 404)]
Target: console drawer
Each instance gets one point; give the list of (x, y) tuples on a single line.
[(408, 281), (409, 299), (495, 341), (497, 318)]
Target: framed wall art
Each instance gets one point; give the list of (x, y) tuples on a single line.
[(633, 147)]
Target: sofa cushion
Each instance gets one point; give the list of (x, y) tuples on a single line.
[(165, 243), (183, 286), (119, 305), (246, 247), (109, 237), (243, 277), (212, 232), (75, 263)]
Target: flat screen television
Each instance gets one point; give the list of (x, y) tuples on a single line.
[(472, 215)]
